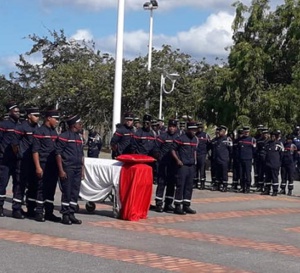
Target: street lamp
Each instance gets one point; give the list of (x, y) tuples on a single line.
[(172, 77), (151, 5)]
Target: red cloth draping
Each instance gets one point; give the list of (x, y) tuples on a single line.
[(135, 191), (135, 158)]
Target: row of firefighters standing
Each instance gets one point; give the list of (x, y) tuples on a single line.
[(37, 157), (181, 159)]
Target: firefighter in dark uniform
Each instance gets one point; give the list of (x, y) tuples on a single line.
[(166, 168), (22, 146), (8, 159), (122, 138), (246, 152), (69, 157), (222, 149), (182, 127), (136, 124), (40, 199), (202, 148), (257, 136), (274, 149), (261, 158), (235, 161), (143, 140), (289, 157), (161, 127), (94, 143), (185, 153)]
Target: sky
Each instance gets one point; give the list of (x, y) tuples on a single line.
[(201, 28)]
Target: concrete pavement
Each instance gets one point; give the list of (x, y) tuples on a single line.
[(231, 232)]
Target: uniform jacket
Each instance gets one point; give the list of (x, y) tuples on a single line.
[(143, 142), (69, 146), (246, 148), (221, 149), (122, 138), (44, 138), (274, 151), (203, 142), (186, 146)]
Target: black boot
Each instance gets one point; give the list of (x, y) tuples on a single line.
[(159, 208), (66, 220), (234, 187), (247, 190), (259, 189), (74, 220), (179, 210), (188, 209), (1, 211), (51, 217), (168, 208), (17, 214), (30, 213), (289, 192), (266, 191), (282, 191), (39, 217), (202, 186), (224, 188), (274, 193)]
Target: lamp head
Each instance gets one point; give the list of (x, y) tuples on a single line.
[(150, 5), (173, 76)]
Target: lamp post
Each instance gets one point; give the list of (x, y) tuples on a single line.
[(152, 5), (172, 77), (118, 66)]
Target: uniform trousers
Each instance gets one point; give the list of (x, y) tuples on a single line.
[(245, 173), (70, 188), (201, 160), (25, 171), (261, 170), (287, 174), (7, 169), (184, 185), (235, 172), (43, 190), (166, 181), (222, 172), (272, 178)]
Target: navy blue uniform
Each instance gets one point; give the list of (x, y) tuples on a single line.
[(166, 169), (246, 151), (274, 151), (23, 139), (143, 142), (94, 144), (42, 197), (235, 163), (121, 140), (289, 157), (261, 160), (8, 160), (202, 148), (186, 148), (69, 146), (221, 150)]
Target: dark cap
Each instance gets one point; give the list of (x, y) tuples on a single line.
[(33, 111), (73, 119), (289, 136), (264, 130), (10, 105), (192, 125), (154, 122), (52, 113), (128, 115), (240, 131), (246, 129), (136, 120), (223, 127), (260, 127), (278, 131), (199, 124), (147, 117), (172, 122), (160, 119)]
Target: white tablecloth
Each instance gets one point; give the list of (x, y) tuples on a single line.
[(100, 176)]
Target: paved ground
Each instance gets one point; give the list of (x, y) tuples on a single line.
[(231, 232)]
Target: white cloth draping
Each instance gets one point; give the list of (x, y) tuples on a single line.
[(100, 176)]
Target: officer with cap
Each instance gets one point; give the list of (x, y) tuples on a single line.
[(166, 168), (143, 140), (122, 138), (43, 152), (202, 148), (94, 143), (246, 152), (22, 146), (257, 136), (69, 157), (289, 157), (261, 158), (136, 124), (8, 159), (182, 127), (211, 157), (222, 148), (185, 153), (274, 149), (154, 127)]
